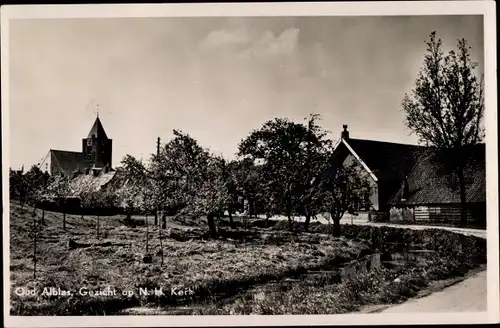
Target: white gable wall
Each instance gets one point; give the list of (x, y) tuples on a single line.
[(365, 174), (46, 164)]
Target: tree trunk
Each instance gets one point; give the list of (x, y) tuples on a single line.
[(211, 224), (231, 221), (307, 221), (164, 221), (147, 235), (463, 197), (156, 218), (64, 220), (43, 216), (290, 221), (161, 245), (336, 226), (34, 248), (98, 227)]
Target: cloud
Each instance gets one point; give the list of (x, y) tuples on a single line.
[(244, 44), (222, 38), (268, 45)]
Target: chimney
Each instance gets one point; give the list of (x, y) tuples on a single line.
[(345, 133)]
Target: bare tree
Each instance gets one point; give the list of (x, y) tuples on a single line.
[(35, 235), (446, 108)]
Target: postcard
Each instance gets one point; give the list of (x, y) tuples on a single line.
[(250, 164)]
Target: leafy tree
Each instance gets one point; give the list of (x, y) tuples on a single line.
[(184, 177), (15, 184), (139, 192), (178, 169), (86, 192), (59, 187), (34, 183), (228, 171), (314, 155), (445, 109), (247, 177), (291, 155), (140, 189), (277, 146), (344, 188), (214, 195)]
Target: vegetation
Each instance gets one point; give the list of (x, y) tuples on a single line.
[(223, 271)]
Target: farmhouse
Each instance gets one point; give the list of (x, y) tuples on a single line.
[(408, 185), (95, 156)]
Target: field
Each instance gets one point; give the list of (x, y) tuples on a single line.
[(245, 270)]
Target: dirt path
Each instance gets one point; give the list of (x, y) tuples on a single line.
[(466, 296), (363, 220), (466, 231)]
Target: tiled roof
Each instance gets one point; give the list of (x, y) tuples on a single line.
[(427, 184), (98, 130), (68, 161)]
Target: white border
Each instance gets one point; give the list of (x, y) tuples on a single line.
[(486, 8)]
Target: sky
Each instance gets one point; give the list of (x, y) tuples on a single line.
[(214, 78)]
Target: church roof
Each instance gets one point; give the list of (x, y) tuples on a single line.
[(97, 130), (67, 161)]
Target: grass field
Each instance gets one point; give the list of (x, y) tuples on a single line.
[(252, 270)]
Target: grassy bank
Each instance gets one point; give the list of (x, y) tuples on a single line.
[(454, 256), (212, 269), (245, 270)]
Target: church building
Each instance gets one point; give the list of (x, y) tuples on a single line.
[(95, 157)]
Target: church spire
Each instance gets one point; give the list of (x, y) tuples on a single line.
[(97, 130)]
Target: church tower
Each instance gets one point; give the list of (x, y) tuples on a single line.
[(97, 148)]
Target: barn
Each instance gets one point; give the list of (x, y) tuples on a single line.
[(430, 195)]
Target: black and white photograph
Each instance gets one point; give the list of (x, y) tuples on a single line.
[(250, 164)]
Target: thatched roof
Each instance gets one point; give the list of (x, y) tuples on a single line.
[(428, 184)]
